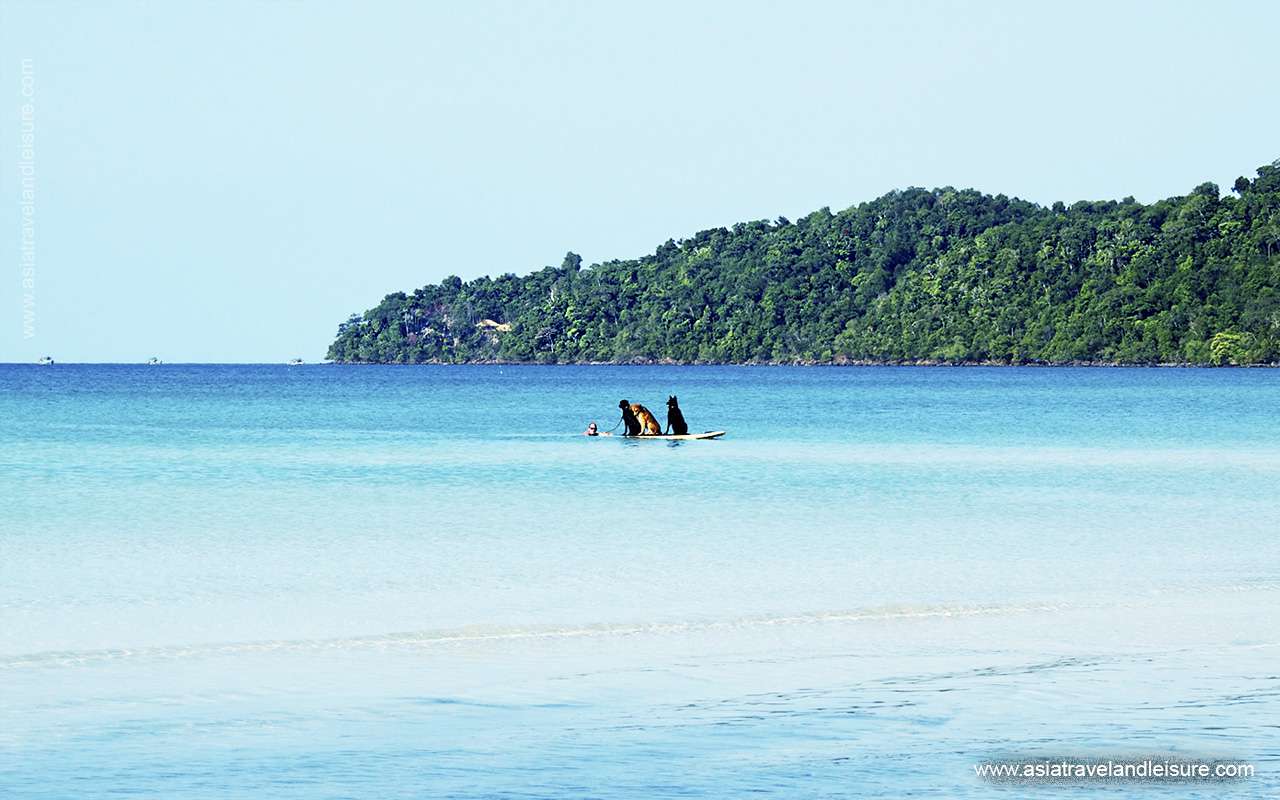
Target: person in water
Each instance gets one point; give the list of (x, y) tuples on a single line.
[(591, 430)]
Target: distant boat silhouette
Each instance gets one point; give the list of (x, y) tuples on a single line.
[(297, 362), (153, 361), (46, 360)]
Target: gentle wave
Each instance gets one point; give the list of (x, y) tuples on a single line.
[(460, 448), (477, 635)]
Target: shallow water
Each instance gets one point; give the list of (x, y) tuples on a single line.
[(403, 582)]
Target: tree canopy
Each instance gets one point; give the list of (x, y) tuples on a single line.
[(945, 275)]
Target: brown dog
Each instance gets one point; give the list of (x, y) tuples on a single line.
[(648, 422), (639, 420)]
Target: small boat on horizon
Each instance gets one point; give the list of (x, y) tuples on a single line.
[(296, 362), (45, 360), (153, 361)]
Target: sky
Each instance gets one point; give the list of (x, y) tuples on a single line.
[(227, 181)]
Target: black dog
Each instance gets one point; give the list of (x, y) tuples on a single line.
[(629, 418), (675, 420)]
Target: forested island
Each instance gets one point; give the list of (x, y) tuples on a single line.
[(916, 276)]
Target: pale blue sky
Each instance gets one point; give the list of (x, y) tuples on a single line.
[(227, 181)]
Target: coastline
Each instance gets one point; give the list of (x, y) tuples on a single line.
[(803, 363)]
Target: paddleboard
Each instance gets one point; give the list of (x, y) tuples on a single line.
[(680, 438)]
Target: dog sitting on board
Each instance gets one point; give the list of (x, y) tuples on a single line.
[(675, 419), (639, 420)]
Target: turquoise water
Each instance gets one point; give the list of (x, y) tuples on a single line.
[(324, 581)]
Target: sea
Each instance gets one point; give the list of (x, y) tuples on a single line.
[(328, 581)]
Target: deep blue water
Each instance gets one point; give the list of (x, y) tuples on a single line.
[(328, 581)]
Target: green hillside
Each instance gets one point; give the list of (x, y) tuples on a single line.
[(915, 276)]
